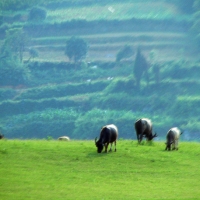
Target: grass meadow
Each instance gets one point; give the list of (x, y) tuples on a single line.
[(49, 169)]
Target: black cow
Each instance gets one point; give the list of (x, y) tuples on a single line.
[(109, 134), (1, 136), (143, 128), (172, 138)]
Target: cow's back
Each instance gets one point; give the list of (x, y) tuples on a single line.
[(176, 132), (113, 132), (109, 133)]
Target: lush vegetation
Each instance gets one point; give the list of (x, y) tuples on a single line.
[(48, 169), (43, 94)]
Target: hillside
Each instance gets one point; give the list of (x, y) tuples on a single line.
[(59, 98), (153, 25)]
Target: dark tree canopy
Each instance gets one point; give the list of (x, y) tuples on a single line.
[(14, 43), (37, 14), (125, 52), (140, 67), (76, 49)]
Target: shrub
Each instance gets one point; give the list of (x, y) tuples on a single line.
[(13, 72), (125, 52), (37, 14), (76, 49)]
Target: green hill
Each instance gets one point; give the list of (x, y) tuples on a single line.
[(59, 98)]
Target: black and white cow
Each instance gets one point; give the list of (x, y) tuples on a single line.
[(143, 128), (1, 136), (172, 138), (108, 135)]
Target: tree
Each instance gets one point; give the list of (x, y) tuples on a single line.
[(140, 68), (37, 14), (12, 69), (125, 52), (14, 44), (13, 72), (76, 49)]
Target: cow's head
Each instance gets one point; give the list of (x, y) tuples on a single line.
[(150, 137), (1, 136), (99, 145), (168, 145)]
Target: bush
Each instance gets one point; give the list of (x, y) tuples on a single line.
[(37, 14), (125, 52), (76, 49), (13, 73)]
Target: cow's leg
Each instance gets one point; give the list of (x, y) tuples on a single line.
[(106, 147), (173, 145), (140, 139), (115, 145), (110, 146)]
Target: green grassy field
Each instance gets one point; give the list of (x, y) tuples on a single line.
[(41, 169)]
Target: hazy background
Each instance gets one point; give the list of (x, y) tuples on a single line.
[(68, 67)]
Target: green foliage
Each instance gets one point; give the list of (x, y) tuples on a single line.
[(33, 169), (120, 85), (37, 14), (140, 68), (125, 52), (76, 49), (14, 44), (13, 72), (61, 90)]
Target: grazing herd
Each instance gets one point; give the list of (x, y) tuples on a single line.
[(143, 128)]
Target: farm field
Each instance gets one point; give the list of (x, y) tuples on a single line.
[(32, 169), (107, 26), (50, 96), (104, 47)]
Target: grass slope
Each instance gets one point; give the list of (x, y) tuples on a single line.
[(39, 169)]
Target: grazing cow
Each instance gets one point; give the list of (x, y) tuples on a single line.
[(1, 136), (64, 138), (109, 134), (172, 138), (143, 128)]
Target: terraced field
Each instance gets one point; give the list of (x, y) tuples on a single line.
[(104, 47), (155, 26), (60, 100)]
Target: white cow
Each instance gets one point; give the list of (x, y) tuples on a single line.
[(64, 138), (172, 138)]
